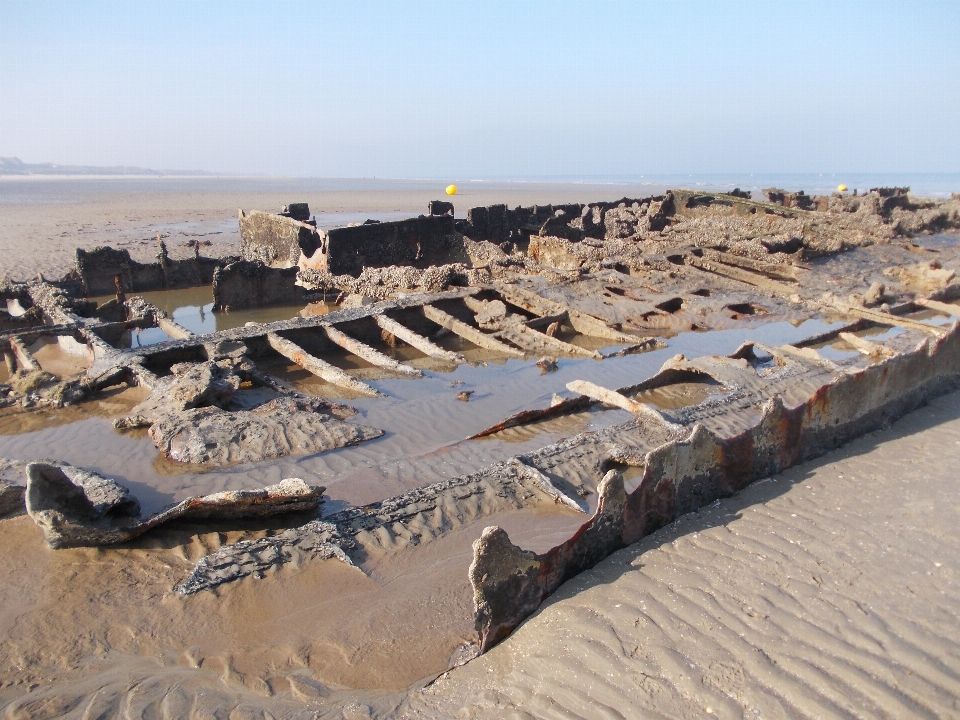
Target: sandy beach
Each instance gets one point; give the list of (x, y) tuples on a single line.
[(44, 219), (826, 591)]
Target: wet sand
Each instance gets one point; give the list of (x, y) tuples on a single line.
[(43, 219), (807, 595), (828, 591)]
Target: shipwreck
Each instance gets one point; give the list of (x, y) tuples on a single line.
[(595, 283)]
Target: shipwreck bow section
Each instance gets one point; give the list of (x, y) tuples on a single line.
[(685, 474)]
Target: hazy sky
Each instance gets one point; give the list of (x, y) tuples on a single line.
[(483, 89)]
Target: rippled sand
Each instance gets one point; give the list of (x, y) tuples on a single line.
[(828, 591)]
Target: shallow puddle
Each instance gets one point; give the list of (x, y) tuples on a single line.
[(111, 403), (678, 395), (60, 356), (193, 309), (410, 609), (424, 422)]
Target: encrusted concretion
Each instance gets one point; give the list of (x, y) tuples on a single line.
[(78, 508)]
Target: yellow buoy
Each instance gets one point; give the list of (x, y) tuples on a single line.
[(841, 188), (452, 189)]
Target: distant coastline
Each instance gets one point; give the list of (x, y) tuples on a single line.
[(13, 166)]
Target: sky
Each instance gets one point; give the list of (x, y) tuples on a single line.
[(483, 90)]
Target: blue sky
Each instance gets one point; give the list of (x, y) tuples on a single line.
[(483, 89)]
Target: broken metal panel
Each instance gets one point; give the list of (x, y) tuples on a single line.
[(420, 241), (245, 284), (99, 267), (687, 473), (278, 241)]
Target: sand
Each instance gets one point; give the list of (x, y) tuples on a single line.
[(828, 591), (43, 219)]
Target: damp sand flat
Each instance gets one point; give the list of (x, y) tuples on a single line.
[(828, 591), (44, 219)]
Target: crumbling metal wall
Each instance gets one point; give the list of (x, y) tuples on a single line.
[(498, 223), (685, 474), (420, 241), (245, 284), (278, 240), (98, 268)]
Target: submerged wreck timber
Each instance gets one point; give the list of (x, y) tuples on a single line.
[(581, 291)]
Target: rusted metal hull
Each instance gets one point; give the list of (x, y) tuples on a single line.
[(687, 473)]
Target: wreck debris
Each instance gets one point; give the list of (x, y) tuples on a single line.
[(253, 558), (99, 267), (320, 368), (417, 341), (278, 241), (283, 426), (372, 356), (468, 333), (347, 535), (77, 508), (196, 415), (11, 490), (687, 473), (744, 430), (614, 272)]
